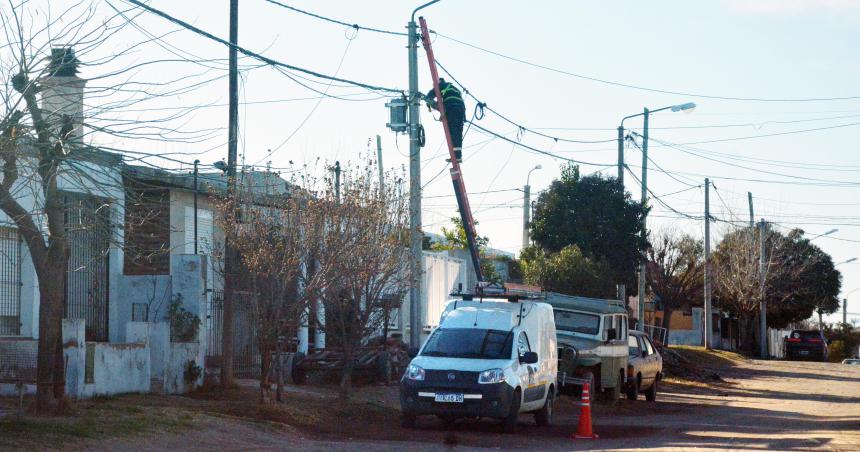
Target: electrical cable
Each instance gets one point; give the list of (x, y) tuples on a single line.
[(264, 59), (539, 151), (335, 21), (642, 88), (483, 105)]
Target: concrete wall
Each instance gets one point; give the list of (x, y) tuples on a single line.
[(154, 291)]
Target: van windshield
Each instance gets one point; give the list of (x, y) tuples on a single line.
[(469, 343), (577, 322)]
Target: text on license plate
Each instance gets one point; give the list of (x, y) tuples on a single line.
[(449, 398)]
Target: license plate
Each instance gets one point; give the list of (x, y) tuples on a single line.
[(449, 398), (804, 352)]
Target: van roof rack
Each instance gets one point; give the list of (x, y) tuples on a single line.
[(511, 291)]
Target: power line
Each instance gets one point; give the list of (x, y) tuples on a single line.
[(657, 198), (539, 151), (483, 105), (642, 88), (265, 59), (335, 21)]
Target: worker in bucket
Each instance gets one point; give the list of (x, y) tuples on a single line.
[(455, 113)]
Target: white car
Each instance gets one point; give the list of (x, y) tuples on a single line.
[(489, 358), (853, 361)]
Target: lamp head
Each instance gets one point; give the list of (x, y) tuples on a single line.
[(539, 167), (688, 107), (220, 165)]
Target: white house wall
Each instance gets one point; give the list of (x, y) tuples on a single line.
[(98, 180)]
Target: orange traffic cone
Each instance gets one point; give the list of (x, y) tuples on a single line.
[(584, 430)]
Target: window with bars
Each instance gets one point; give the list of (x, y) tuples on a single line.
[(10, 282)]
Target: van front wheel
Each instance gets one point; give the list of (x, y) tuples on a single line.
[(509, 423), (543, 416)]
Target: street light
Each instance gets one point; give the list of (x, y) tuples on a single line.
[(846, 262), (826, 233), (526, 194), (687, 107)]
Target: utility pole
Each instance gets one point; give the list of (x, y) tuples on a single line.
[(708, 316), (196, 162), (416, 258), (845, 312), (229, 252), (621, 155), (526, 204), (762, 302), (379, 161), (752, 218), (642, 274)]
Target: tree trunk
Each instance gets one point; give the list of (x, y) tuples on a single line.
[(48, 369), (346, 376), (667, 320)]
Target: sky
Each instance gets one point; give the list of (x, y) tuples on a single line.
[(765, 75)]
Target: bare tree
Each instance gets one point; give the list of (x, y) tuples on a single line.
[(43, 127), (366, 239), (675, 272), (738, 275)]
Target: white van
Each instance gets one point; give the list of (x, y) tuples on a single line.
[(491, 358)]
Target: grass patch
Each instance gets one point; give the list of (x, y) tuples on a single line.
[(714, 359), (92, 419)]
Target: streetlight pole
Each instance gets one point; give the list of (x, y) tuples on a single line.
[(646, 114), (526, 204), (416, 266)]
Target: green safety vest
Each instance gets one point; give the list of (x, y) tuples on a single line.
[(450, 93)]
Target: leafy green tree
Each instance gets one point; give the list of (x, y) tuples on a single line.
[(567, 271), (455, 239), (595, 214)]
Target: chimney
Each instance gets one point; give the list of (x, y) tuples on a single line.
[(63, 94)]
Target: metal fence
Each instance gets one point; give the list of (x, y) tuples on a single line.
[(246, 356), (87, 221), (10, 282)]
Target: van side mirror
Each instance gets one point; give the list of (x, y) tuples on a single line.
[(529, 358), (412, 352), (611, 334), (644, 353)]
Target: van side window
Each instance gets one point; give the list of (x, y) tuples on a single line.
[(523, 344), (622, 327)]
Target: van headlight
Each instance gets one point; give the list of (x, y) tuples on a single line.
[(491, 376), (415, 373)]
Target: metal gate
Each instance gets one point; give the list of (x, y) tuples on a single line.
[(246, 356), (87, 220), (10, 282)]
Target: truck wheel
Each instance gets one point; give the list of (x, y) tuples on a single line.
[(407, 420), (509, 423), (543, 416), (611, 395), (633, 389), (651, 393)]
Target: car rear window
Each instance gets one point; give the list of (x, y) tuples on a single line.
[(806, 335)]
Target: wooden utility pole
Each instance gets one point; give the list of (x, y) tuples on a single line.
[(762, 303), (229, 252)]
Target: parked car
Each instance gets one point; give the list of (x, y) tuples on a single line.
[(488, 358), (592, 339), (644, 367), (806, 344), (851, 361)]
